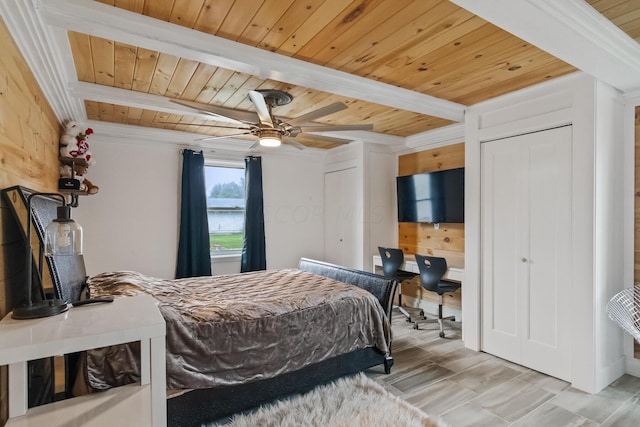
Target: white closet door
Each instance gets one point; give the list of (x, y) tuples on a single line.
[(547, 290), (526, 216), (501, 220), (341, 217)]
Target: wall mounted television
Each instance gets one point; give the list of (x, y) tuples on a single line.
[(431, 197)]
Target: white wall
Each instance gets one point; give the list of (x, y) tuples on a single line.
[(609, 226), (376, 168), (293, 208), (132, 223), (380, 211)]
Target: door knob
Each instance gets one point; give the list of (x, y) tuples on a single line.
[(524, 259)]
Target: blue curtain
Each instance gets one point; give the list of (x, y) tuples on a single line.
[(193, 245), (254, 256)]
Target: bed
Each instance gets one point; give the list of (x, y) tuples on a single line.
[(242, 339), (236, 341)]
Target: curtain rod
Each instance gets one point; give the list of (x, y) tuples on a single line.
[(182, 150)]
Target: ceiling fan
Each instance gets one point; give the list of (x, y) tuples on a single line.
[(270, 130)]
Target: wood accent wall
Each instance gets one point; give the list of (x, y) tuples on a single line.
[(448, 240), (29, 133), (636, 244)]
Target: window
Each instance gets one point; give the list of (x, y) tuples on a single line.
[(225, 208)]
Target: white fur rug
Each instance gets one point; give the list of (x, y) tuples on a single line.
[(353, 401)]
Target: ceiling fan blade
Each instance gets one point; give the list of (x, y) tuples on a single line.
[(335, 128), (261, 108), (292, 141), (223, 113), (209, 138), (310, 138), (320, 112), (205, 125)]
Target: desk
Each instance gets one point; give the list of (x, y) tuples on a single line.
[(455, 274)]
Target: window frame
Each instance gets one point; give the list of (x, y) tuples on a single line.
[(234, 164)]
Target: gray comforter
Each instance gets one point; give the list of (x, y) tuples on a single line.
[(237, 328)]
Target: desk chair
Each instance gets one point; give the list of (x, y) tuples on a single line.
[(392, 259), (431, 271)]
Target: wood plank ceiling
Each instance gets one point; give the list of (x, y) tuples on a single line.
[(429, 46), (625, 14)]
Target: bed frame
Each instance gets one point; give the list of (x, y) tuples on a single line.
[(199, 406), (68, 276)]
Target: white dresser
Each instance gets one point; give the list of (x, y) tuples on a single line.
[(126, 319)]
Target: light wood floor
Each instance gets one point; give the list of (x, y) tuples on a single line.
[(467, 388)]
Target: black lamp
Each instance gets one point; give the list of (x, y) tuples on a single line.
[(63, 236)]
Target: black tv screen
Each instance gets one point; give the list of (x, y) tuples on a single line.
[(431, 197)]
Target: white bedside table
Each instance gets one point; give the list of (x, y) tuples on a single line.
[(126, 319)]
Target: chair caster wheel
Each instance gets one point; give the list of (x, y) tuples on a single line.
[(415, 326), (408, 320), (441, 334)]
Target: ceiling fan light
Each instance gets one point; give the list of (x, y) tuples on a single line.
[(270, 138), (270, 141)]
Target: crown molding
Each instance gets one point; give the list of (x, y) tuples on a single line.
[(124, 133), (632, 97), (45, 58), (367, 137), (112, 23), (452, 134), (570, 30)]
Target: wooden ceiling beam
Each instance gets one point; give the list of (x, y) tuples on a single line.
[(116, 24), (108, 95), (129, 98)]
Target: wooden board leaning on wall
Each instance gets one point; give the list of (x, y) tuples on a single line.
[(448, 240)]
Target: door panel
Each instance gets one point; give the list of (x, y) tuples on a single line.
[(500, 269), (341, 217), (526, 236), (546, 333)]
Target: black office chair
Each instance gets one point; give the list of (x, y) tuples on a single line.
[(392, 259), (431, 271)]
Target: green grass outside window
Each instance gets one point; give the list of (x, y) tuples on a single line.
[(225, 242)]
